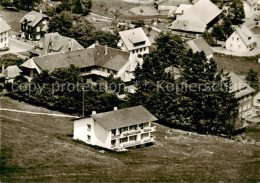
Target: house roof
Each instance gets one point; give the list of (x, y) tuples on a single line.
[(54, 42), (33, 18), (182, 8), (198, 45), (246, 35), (240, 87), (93, 56), (3, 25), (11, 72), (123, 117), (197, 17), (132, 36)]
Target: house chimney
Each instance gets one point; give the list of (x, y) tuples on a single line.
[(115, 108), (96, 43), (105, 49), (94, 112), (3, 67)]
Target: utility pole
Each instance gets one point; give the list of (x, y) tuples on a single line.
[(83, 98)]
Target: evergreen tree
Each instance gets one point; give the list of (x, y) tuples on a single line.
[(252, 78), (77, 7)]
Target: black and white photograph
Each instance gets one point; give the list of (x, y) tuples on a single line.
[(130, 91)]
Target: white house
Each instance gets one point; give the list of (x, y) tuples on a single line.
[(199, 45), (94, 62), (241, 40), (256, 102), (116, 130), (4, 34), (134, 41)]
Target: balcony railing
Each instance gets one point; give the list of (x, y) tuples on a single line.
[(149, 129)]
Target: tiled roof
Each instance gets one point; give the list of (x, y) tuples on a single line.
[(246, 35), (3, 25), (54, 42), (33, 18), (197, 17), (240, 87), (182, 8), (129, 37), (11, 72), (123, 117), (95, 55), (198, 45)]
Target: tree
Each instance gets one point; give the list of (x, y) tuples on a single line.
[(236, 12), (78, 7), (252, 78), (87, 6)]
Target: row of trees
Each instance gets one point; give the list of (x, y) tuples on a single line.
[(21, 4), (63, 90)]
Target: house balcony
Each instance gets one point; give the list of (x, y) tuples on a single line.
[(149, 129), (95, 72)]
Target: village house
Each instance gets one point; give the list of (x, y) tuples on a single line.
[(196, 19), (256, 102), (34, 25), (134, 41), (55, 43), (199, 45), (4, 34), (116, 130), (241, 40), (9, 74), (244, 93), (94, 62), (250, 8)]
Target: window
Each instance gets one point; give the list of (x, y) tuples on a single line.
[(232, 38), (113, 142), (137, 51), (123, 140), (231, 45), (237, 38), (133, 138), (113, 132), (1, 40), (89, 138), (133, 127), (239, 46), (133, 51), (144, 48), (89, 127), (145, 135), (123, 129)]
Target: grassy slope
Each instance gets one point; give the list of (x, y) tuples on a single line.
[(40, 148)]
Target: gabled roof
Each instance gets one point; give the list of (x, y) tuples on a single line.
[(198, 45), (95, 55), (33, 18), (11, 72), (54, 42), (3, 25), (123, 117), (132, 36), (240, 87), (246, 35), (197, 17)]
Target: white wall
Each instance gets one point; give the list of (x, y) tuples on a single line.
[(80, 131), (4, 39), (102, 136), (233, 43), (256, 101)]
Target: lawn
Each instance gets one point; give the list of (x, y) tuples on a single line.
[(238, 65), (12, 18), (40, 148)]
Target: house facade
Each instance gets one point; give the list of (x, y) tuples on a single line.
[(116, 130), (34, 25), (94, 62), (256, 102), (134, 41), (4, 34), (241, 40), (244, 94)]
